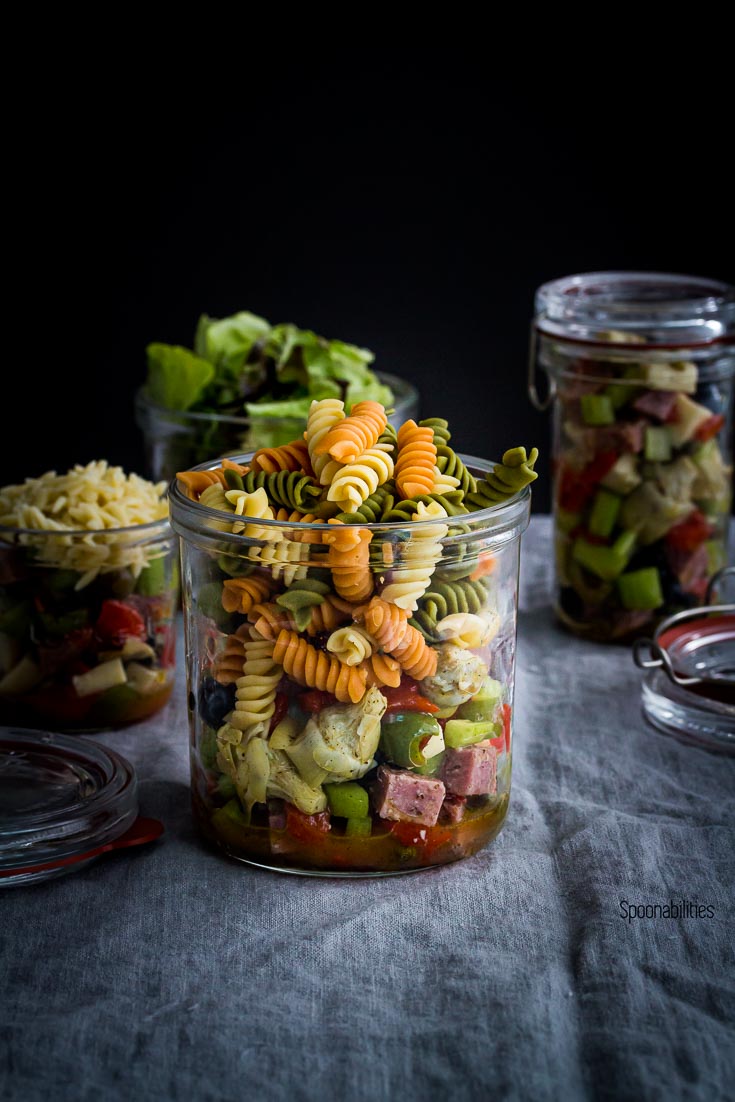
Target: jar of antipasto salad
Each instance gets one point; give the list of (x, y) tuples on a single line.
[(88, 594), (350, 608), (640, 367)]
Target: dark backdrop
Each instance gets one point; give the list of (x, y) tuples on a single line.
[(412, 210)]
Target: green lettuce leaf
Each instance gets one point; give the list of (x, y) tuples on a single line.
[(176, 377), (227, 342)]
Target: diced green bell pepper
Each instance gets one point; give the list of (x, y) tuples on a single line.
[(641, 589), (621, 393), (597, 409), (463, 732), (604, 513), (482, 706), (152, 578), (15, 620), (348, 800), (605, 562), (358, 827)]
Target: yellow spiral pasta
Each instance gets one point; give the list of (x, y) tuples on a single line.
[(323, 416), (318, 670), (356, 433), (356, 481), (240, 594), (349, 560), (389, 626), (351, 644), (256, 689), (253, 505), (289, 457), (286, 559), (228, 665), (420, 554), (416, 460)]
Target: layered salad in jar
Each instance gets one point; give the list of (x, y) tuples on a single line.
[(351, 673), (643, 489), (88, 591)]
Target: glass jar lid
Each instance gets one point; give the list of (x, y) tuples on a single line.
[(63, 801), (651, 309), (689, 683)]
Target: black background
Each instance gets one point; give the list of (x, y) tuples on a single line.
[(405, 207)]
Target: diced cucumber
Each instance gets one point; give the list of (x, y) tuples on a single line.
[(100, 678), (604, 562), (604, 513), (482, 706), (658, 443), (432, 765), (597, 409), (348, 800), (358, 827), (621, 393), (641, 589), (463, 732), (567, 522)]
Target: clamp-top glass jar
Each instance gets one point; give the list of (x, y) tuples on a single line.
[(640, 369)]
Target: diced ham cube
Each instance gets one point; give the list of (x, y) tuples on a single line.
[(470, 771), (690, 567), (407, 797), (656, 403), (453, 809), (626, 623), (626, 436)]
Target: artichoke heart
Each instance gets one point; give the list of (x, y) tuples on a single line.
[(459, 675), (339, 743), (284, 782)]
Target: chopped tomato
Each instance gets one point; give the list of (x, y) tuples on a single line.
[(688, 534), (710, 427), (117, 622), (280, 710), (484, 567), (577, 487), (407, 698), (314, 700), (168, 654), (307, 828)]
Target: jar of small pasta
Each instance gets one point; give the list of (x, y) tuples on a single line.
[(350, 652), (88, 596), (640, 368)]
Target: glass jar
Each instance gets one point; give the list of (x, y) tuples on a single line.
[(329, 734), (176, 440), (87, 635), (640, 372)]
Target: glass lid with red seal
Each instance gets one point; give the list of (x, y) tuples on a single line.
[(689, 683), (64, 801)]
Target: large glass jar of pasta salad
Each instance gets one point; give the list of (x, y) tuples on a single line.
[(350, 664), (640, 369), (88, 596)]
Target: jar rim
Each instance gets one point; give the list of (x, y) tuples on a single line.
[(668, 310), (405, 393), (513, 513)]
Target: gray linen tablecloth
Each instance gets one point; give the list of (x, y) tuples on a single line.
[(174, 973)]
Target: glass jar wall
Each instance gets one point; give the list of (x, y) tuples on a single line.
[(332, 731), (640, 369)]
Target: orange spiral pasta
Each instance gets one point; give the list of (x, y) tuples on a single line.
[(318, 670), (381, 669), (414, 471), (389, 626), (289, 457), (231, 465), (228, 665), (196, 481), (269, 619), (355, 434), (240, 594), (297, 518), (349, 560)]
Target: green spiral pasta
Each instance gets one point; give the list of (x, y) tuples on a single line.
[(459, 560), (505, 479), (388, 435), (404, 510), (300, 599), (373, 507), (449, 463), (439, 427), (444, 598), (288, 488)]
